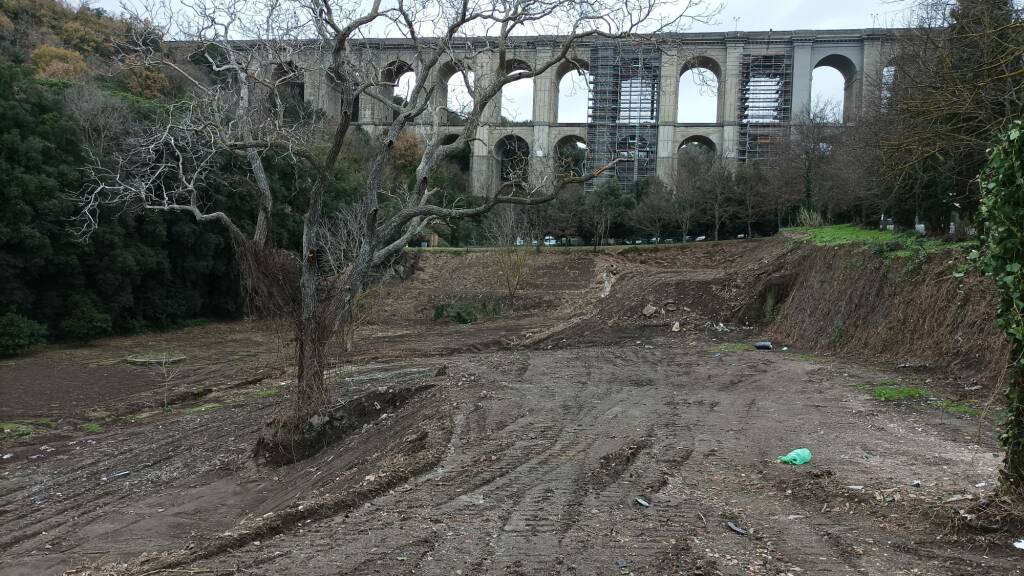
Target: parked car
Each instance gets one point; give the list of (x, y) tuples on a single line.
[(701, 238), (550, 241)]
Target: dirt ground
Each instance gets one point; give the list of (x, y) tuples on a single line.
[(575, 435)]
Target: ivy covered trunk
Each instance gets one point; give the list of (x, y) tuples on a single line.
[(1013, 435), (1002, 211)]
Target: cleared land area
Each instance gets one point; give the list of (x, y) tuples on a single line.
[(578, 434)]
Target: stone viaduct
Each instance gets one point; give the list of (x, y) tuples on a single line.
[(763, 86)]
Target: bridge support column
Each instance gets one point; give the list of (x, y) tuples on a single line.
[(541, 156), (668, 110), (730, 84), (545, 102), (803, 71), (483, 179), (870, 76), (545, 110)]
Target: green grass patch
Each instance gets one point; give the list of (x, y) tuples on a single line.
[(92, 427), (268, 393), (958, 408), (888, 393), (884, 242), (45, 423), (467, 312), (15, 430), (141, 416), (889, 390), (839, 234), (728, 347), (204, 407)]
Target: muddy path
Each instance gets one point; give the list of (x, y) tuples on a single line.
[(550, 450)]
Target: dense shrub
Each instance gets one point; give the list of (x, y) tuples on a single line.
[(18, 334), (1002, 207), (466, 312), (59, 64), (86, 323), (137, 271)]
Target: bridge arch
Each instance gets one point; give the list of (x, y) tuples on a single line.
[(832, 69), (699, 99), (453, 91), (698, 142), (572, 91), (517, 95), (571, 155), (886, 85), (512, 155), (462, 158), (395, 70), (398, 78)]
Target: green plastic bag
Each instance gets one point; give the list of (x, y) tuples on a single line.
[(796, 457)]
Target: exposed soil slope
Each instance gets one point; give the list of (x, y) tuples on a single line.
[(514, 445), (853, 301)]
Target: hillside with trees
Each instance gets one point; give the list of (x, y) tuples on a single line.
[(60, 93)]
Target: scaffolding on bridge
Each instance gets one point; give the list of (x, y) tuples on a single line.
[(766, 96), (623, 111)]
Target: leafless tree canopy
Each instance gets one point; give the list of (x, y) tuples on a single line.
[(954, 80), (240, 59), (511, 232)]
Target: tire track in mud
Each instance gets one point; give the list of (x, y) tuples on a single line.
[(81, 493), (86, 500), (548, 452), (539, 502), (544, 447)]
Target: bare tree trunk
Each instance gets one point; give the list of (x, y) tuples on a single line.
[(311, 396), (348, 331), (718, 217)]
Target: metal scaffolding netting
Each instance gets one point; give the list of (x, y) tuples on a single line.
[(623, 111), (766, 96)]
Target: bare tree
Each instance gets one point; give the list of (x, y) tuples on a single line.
[(704, 177), (240, 59), (954, 80), (682, 206), (752, 191), (510, 230), (808, 149), (604, 207), (654, 212)]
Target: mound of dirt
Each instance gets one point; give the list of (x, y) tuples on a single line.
[(850, 301), (913, 313)]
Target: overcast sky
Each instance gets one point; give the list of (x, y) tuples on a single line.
[(807, 15)]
